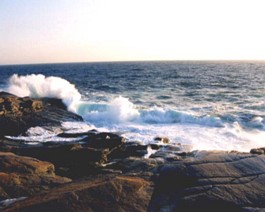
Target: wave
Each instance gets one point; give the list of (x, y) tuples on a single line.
[(117, 110), (158, 115), (257, 122), (120, 110), (38, 85), (200, 132)]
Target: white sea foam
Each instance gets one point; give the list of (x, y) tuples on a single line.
[(150, 151), (196, 131), (35, 135), (7, 202), (195, 137), (199, 132), (40, 86), (120, 110), (76, 127)]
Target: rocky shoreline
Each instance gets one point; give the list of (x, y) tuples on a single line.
[(104, 172)]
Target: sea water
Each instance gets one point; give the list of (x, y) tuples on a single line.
[(202, 105)]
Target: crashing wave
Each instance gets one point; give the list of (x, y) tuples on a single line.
[(121, 110), (38, 85)]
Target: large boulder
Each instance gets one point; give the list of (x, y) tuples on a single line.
[(19, 114), (25, 176), (211, 181), (120, 193)]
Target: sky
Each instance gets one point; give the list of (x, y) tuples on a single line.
[(50, 31)]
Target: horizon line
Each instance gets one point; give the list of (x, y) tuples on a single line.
[(135, 61)]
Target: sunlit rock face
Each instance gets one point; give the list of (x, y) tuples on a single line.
[(25, 176)]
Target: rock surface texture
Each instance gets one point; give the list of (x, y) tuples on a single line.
[(19, 114), (103, 172), (25, 176), (205, 180), (103, 194), (211, 181)]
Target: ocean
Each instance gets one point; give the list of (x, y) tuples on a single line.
[(202, 105)]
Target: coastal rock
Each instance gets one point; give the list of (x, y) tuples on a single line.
[(171, 153), (72, 160), (103, 140), (164, 140), (19, 114), (129, 149), (25, 176), (79, 159), (198, 180), (211, 181), (143, 167), (120, 193), (258, 151)]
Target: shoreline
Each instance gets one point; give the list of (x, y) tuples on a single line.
[(103, 172)]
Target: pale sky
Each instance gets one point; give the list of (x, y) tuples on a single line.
[(47, 31)]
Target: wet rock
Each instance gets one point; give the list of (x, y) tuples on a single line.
[(138, 166), (164, 140), (155, 146), (75, 159), (211, 181), (72, 160), (166, 155), (25, 176), (19, 114), (103, 140), (259, 151), (170, 153), (130, 149), (76, 135), (119, 193)]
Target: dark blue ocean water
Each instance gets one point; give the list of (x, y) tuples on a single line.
[(208, 103)]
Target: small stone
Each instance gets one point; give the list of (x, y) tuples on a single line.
[(164, 140)]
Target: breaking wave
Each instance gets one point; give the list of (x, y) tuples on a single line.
[(120, 110), (138, 122), (39, 85)]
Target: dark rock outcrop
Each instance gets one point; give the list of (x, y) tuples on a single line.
[(19, 114), (211, 181), (119, 193), (72, 160), (199, 180), (25, 176), (258, 151)]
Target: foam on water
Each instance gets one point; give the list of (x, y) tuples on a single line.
[(196, 137), (120, 110), (41, 86), (199, 131), (7, 202), (36, 135)]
